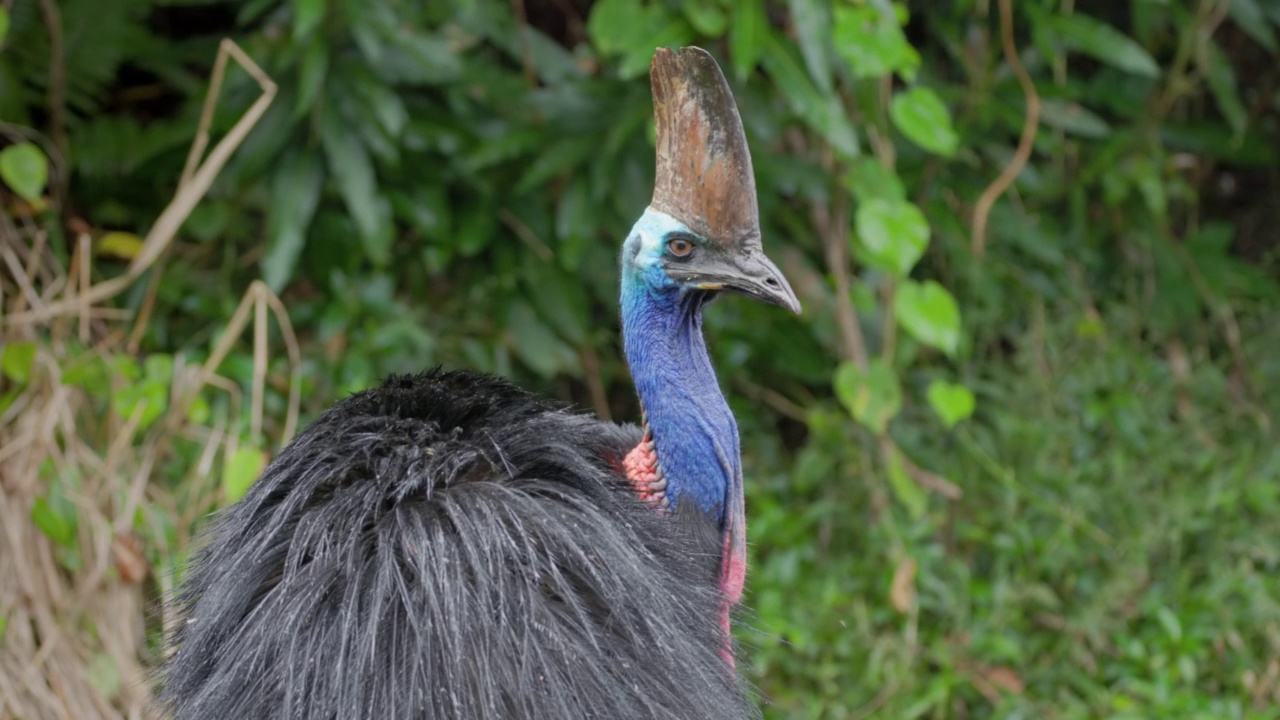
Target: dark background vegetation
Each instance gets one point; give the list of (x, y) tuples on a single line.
[(1026, 471)]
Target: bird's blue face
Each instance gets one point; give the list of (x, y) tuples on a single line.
[(664, 256), (642, 253)]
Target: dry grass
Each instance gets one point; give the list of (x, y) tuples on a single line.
[(74, 610)]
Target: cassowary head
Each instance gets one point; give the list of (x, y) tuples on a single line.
[(701, 231)]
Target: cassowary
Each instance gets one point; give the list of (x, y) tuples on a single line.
[(447, 545)]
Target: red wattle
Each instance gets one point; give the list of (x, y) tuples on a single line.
[(641, 467)]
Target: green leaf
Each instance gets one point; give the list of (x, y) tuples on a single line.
[(25, 170), (820, 111), (706, 17), (922, 117), (893, 235), (103, 675), (1073, 118), (1249, 17), (563, 304), (904, 487), (573, 222), (632, 29), (149, 391), (16, 359), (872, 42), (557, 158), (1221, 79), (869, 179), (240, 471), (812, 22), (421, 59), (929, 313), (351, 168), (296, 195), (612, 24), (475, 229), (4, 621), (56, 518), (312, 72), (873, 397), (426, 208), (1169, 621), (748, 27), (536, 344), (953, 403), (385, 107), (1105, 43), (4, 32), (307, 15), (125, 245)]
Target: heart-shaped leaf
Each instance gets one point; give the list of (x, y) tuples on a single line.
[(872, 42), (893, 234), (873, 397), (921, 116), (929, 313), (24, 168), (953, 403)]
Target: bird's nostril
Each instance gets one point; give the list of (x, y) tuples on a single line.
[(771, 282)]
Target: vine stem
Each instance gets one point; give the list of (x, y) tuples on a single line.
[(982, 210)]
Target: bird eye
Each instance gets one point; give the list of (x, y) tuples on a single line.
[(679, 246)]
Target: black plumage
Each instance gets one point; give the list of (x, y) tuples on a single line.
[(449, 546)]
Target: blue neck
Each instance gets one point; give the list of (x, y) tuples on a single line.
[(693, 430)]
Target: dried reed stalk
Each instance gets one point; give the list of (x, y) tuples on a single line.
[(75, 614)]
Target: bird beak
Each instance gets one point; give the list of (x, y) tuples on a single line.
[(757, 276), (749, 273)]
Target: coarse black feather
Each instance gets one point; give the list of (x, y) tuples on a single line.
[(449, 546)]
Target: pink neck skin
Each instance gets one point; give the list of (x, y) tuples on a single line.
[(641, 468)]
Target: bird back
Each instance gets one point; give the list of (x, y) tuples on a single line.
[(449, 546)]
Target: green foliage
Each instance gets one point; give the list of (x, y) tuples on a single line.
[(929, 313), (1099, 40), (871, 40), (893, 234), (240, 470), (1076, 522), (24, 169), (951, 402), (56, 519), (873, 395), (16, 359), (103, 675), (922, 117)]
